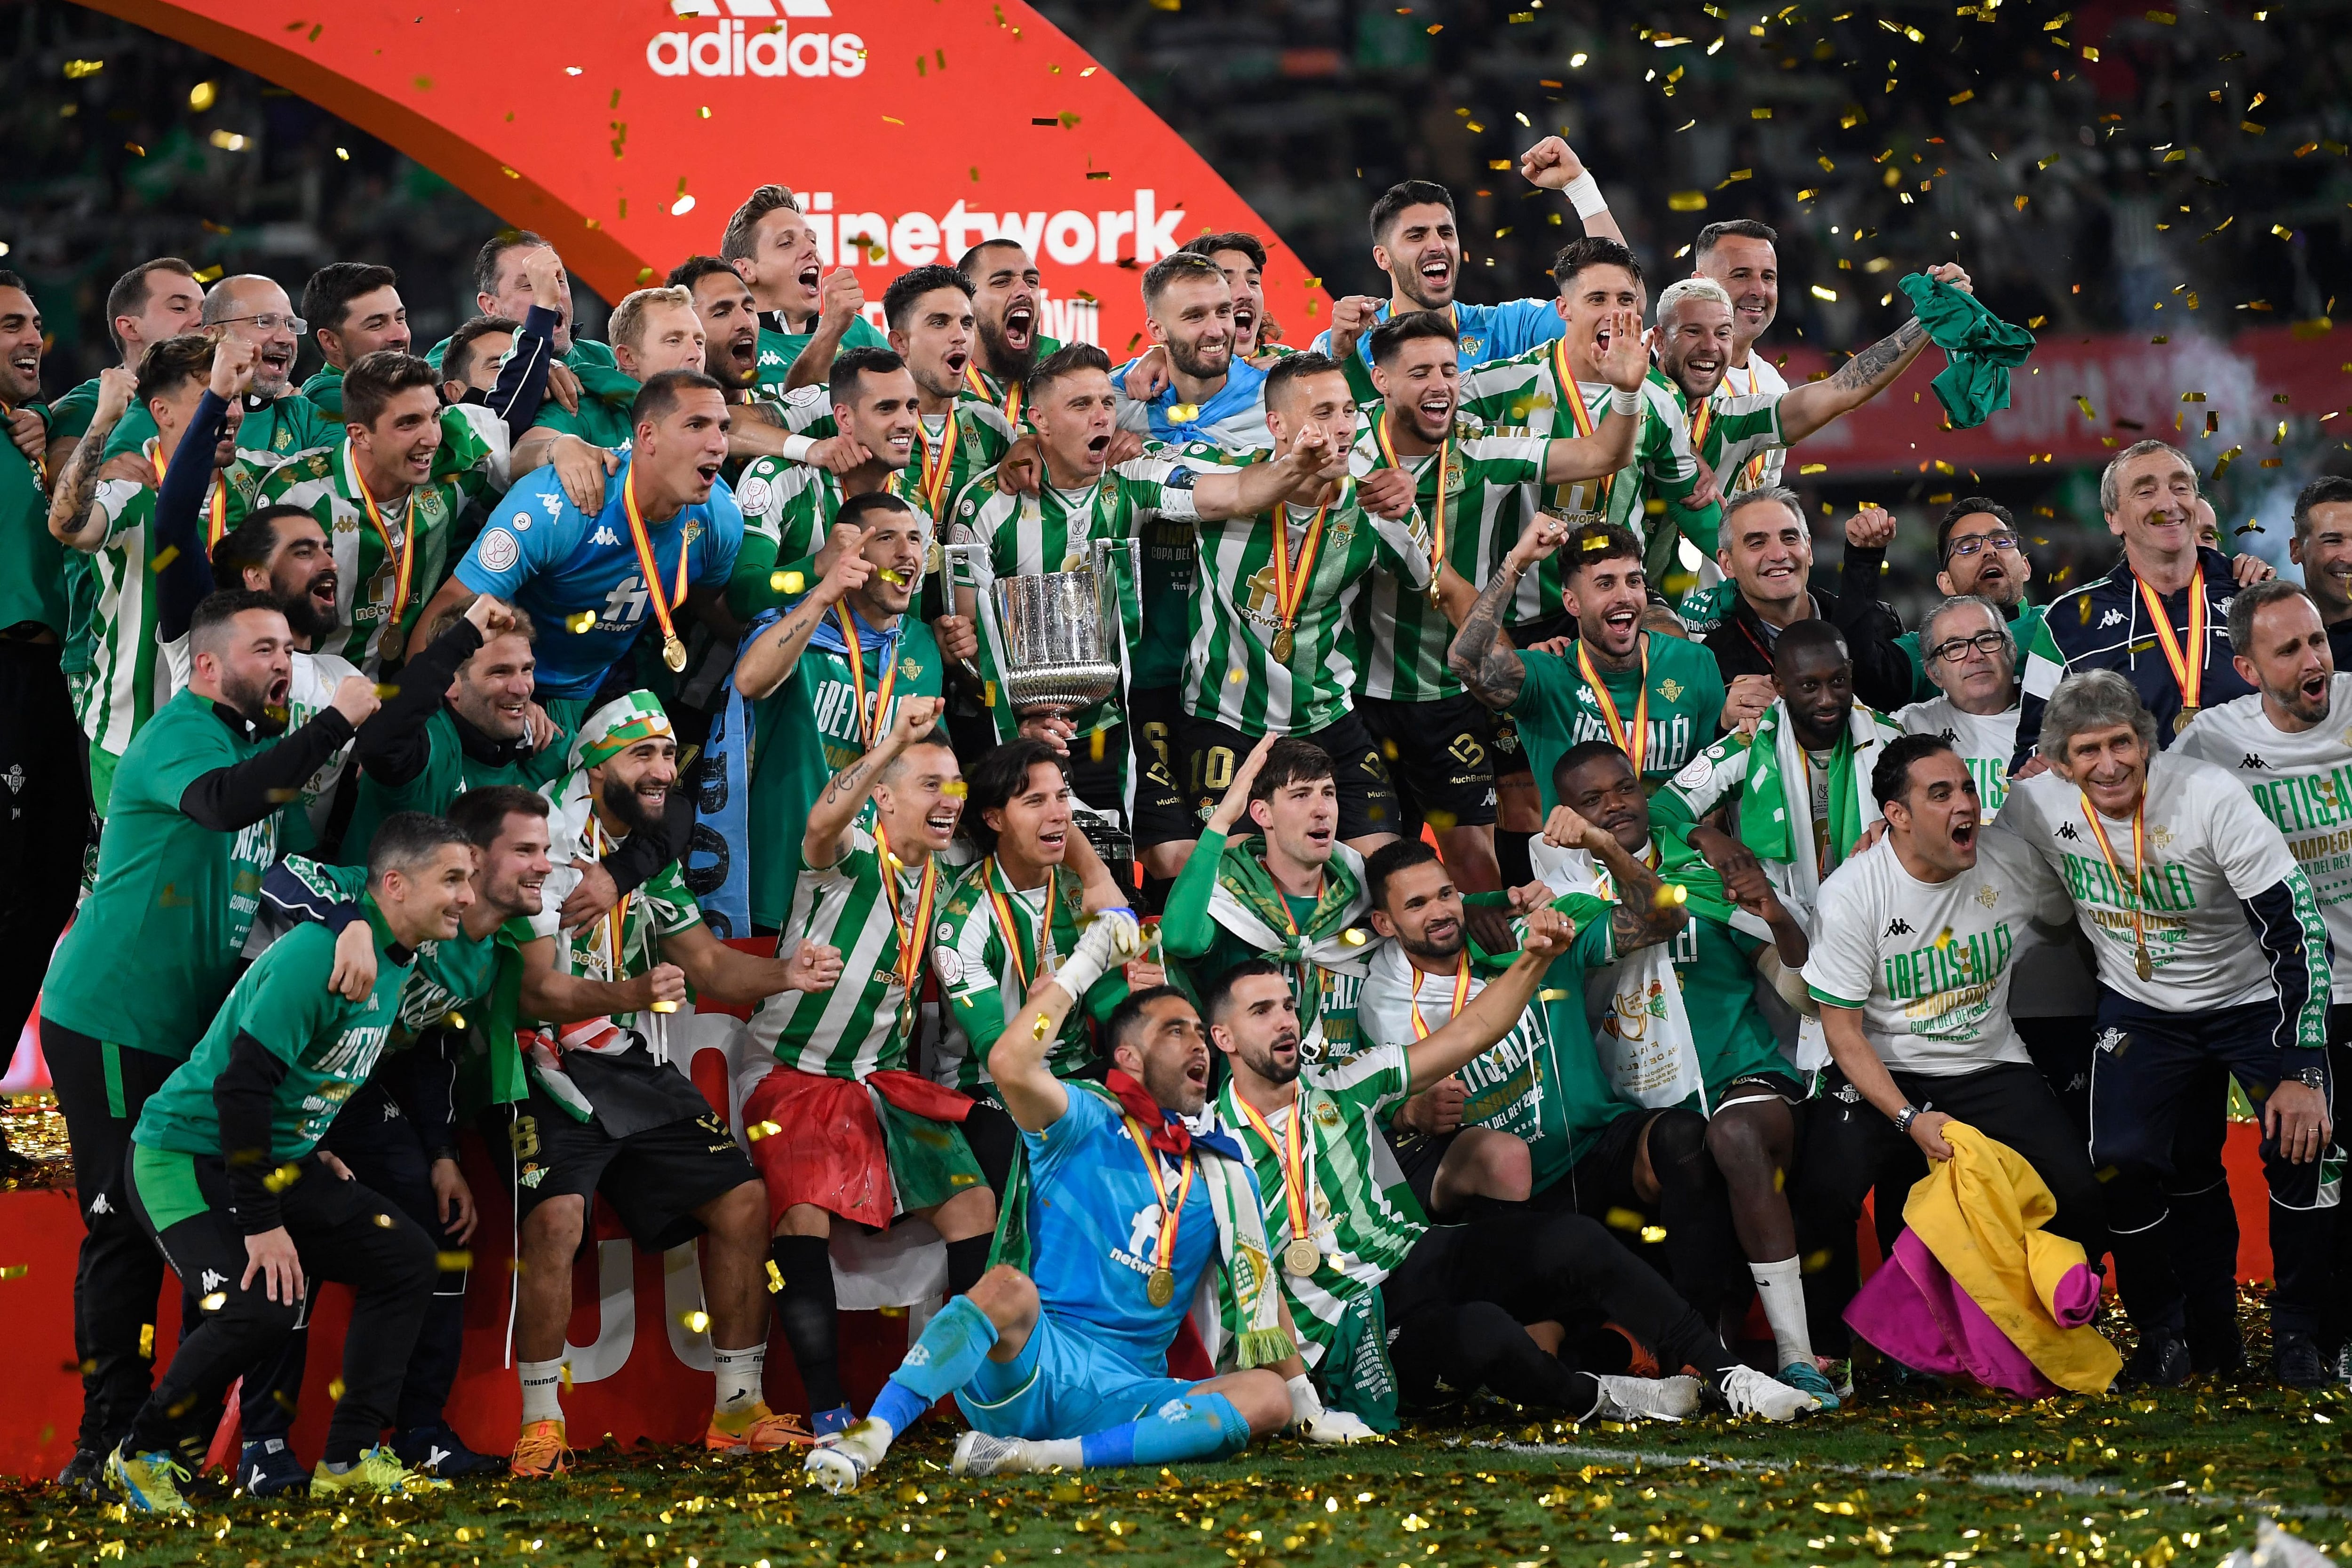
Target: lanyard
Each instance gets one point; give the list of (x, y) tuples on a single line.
[(399, 604), (999, 899), (1751, 476), (910, 960), (1636, 746), (938, 465), (2187, 663), (2131, 891), (868, 726), (1164, 1252), (978, 384), (1437, 525), (1292, 1149), (1461, 993), (616, 919), (1701, 420), (1291, 577), (1582, 418)]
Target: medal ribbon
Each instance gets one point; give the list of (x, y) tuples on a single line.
[(1437, 522), (1288, 1150), (2139, 859), (616, 919), (868, 727), (1164, 1252), (215, 499), (407, 537), (1636, 747), (1024, 969), (1291, 577), (639, 536), (978, 384), (909, 961), (937, 466), (1461, 993), (2187, 669), (1751, 476), (1582, 418), (1702, 418)]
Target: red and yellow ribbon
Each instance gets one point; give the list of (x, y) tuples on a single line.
[(1636, 746), (939, 465), (908, 960), (639, 536), (1289, 1149), (1164, 1252), (2187, 663), (1025, 968), (1291, 576), (873, 723), (2130, 890), (1437, 520), (1461, 991), (215, 499), (1571, 396), (408, 538), (978, 384)]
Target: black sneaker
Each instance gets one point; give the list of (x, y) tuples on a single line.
[(435, 1450), (85, 1473), (2295, 1363), (2158, 1363), (268, 1469)]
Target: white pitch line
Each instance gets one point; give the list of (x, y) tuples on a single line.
[(2002, 1480)]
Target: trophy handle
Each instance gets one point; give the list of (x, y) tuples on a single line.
[(966, 568)]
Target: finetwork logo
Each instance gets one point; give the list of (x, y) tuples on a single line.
[(777, 49)]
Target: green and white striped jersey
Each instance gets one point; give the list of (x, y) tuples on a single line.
[(1736, 430), (866, 1023), (1231, 674), (1361, 1211), (270, 431), (787, 509), (1489, 480), (129, 677), (1055, 530), (626, 940), (985, 985), (374, 610), (1530, 393)]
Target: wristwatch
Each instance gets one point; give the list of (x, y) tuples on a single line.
[(1905, 1117), (2313, 1077)]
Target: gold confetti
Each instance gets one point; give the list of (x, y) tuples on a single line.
[(775, 1278), (897, 579), (1095, 745), (696, 1321), (383, 1221), (1653, 1233), (956, 789), (215, 1302), (335, 1388), (147, 1341), (665, 1006), (1353, 936), (1551, 994), (1039, 1029), (285, 1176), (585, 621), (1623, 1219), (785, 581), (164, 558), (456, 1020), (1671, 895)]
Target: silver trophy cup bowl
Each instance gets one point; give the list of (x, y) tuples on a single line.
[(1060, 632)]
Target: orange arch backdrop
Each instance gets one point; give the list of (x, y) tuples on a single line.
[(626, 131)]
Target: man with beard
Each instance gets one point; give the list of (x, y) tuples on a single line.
[(852, 1133), (1004, 307), (1386, 1299), (730, 322), (1198, 391), (2160, 618), (1240, 257), (1277, 646), (388, 496), (2183, 990), (355, 309), (828, 677), (110, 509), (606, 1112), (226, 1173), (1082, 500), (1124, 1218), (1983, 557), (1767, 556), (678, 529), (397, 1132), (1655, 698), (1919, 939), (2322, 546), (194, 827), (1472, 487), (805, 313), (1737, 255)]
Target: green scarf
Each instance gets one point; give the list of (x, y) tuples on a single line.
[(1774, 798), (1244, 882), (1981, 349), (494, 1072), (608, 387)]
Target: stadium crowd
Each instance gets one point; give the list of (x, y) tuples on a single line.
[(1451, 946)]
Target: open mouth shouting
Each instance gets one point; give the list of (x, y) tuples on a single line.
[(808, 277), (24, 365), (705, 474), (939, 823), (1433, 280), (1244, 321), (954, 360), (1620, 626), (1433, 411), (1964, 831), (1020, 324), (275, 364), (743, 352), (1098, 448), (322, 596)]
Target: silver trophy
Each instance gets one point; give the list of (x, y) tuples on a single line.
[(1060, 639)]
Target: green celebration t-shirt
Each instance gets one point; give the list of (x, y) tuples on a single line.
[(1557, 709), (32, 561), (326, 390), (448, 975), (449, 771), (173, 900), (330, 1044), (985, 973)]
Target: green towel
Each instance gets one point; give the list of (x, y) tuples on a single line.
[(1980, 346)]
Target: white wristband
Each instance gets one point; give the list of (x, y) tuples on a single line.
[(796, 448), (1584, 193), (1624, 402), (1077, 975)]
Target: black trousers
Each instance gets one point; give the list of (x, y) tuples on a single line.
[(377, 1140), (343, 1232), (2145, 1075), (1454, 1303), (101, 1089), (1850, 1148), (43, 817)]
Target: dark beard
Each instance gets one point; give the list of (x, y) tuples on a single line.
[(248, 698), (625, 807), (1003, 362), (1434, 950), (1188, 363), (304, 618), (1267, 1067)]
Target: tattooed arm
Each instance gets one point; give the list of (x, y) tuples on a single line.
[(845, 794), (1481, 656), (1644, 913), (1807, 408), (72, 519)]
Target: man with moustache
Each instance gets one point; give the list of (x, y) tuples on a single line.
[(1766, 551), (730, 322), (805, 312), (354, 309), (1005, 289), (1739, 255), (1983, 556), (1472, 487), (2322, 546)]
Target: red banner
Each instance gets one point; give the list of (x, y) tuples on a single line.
[(629, 131)]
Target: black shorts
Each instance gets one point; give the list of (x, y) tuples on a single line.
[(1752, 1086), (1443, 754), (1604, 1180), (653, 1179), (1154, 719), (1367, 798), (1418, 1155)]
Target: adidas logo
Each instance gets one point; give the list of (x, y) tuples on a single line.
[(2251, 760), (604, 536), (2111, 618), (1898, 926)]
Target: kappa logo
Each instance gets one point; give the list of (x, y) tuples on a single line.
[(98, 1205), (603, 535), (2066, 830), (1898, 926), (2250, 762), (212, 1280), (2111, 618)]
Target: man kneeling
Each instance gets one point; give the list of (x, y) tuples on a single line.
[(1127, 1215)]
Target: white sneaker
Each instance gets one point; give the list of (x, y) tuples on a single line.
[(1749, 1393), (1646, 1398), (978, 1454), (839, 1463)]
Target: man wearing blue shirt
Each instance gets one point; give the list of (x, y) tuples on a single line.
[(667, 526), (1204, 395)]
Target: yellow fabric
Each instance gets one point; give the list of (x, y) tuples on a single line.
[(1982, 1214)]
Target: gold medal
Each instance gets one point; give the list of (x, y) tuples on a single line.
[(674, 653), (663, 602), (2184, 657), (1300, 1257), (1159, 1287), (1282, 646), (1292, 577), (2188, 713), (2140, 962)]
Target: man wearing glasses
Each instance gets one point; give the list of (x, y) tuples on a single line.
[(1972, 659), (1982, 556)]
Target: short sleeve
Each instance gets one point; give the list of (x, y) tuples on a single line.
[(1548, 689), (522, 539), (1086, 1112), (200, 748), (2252, 853), (722, 538), (1839, 968)]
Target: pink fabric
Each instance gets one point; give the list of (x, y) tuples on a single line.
[(2076, 1300), (1914, 1311)]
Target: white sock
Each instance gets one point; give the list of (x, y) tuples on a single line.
[(1048, 1453), (1782, 1291), (542, 1389), (739, 1376)]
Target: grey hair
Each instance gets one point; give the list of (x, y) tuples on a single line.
[(1963, 601), (1781, 493), (2247, 603), (2094, 700), (2111, 496)]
